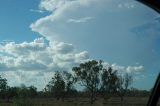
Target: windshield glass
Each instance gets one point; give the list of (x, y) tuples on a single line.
[(40, 39)]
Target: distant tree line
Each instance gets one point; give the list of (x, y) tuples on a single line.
[(96, 79)]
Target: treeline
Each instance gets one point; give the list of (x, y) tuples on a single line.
[(97, 81)]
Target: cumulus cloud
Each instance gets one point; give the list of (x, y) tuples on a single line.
[(128, 69), (81, 20), (86, 22), (63, 48), (24, 48), (118, 67), (38, 55), (35, 61), (62, 13), (82, 55), (128, 5), (36, 78), (51, 5), (37, 11), (135, 68), (66, 20)]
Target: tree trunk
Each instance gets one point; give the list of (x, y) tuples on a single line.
[(121, 100), (92, 97)]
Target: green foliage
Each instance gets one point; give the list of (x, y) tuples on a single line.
[(3, 87), (70, 80), (109, 80), (88, 74), (3, 84), (22, 92), (96, 79), (32, 91), (57, 86), (123, 83)]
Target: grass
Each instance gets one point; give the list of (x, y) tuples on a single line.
[(128, 101)]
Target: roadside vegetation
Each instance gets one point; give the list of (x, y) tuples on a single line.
[(99, 83)]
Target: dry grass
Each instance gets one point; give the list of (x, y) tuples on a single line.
[(129, 101)]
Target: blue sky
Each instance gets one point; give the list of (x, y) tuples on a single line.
[(39, 37), (16, 18)]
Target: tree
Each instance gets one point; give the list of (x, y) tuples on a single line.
[(88, 74), (123, 84), (109, 81), (69, 81), (3, 87), (57, 86), (128, 80), (11, 92), (32, 91), (22, 99), (23, 92)]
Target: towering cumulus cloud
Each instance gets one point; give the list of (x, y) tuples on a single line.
[(92, 28)]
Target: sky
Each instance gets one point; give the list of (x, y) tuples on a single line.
[(39, 37)]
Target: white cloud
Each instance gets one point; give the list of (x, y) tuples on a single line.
[(63, 48), (81, 20), (36, 61), (63, 13), (38, 11), (62, 18), (51, 5), (32, 61), (24, 48), (82, 55), (118, 67), (30, 64), (38, 55), (135, 68), (128, 5), (128, 69), (36, 78)]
